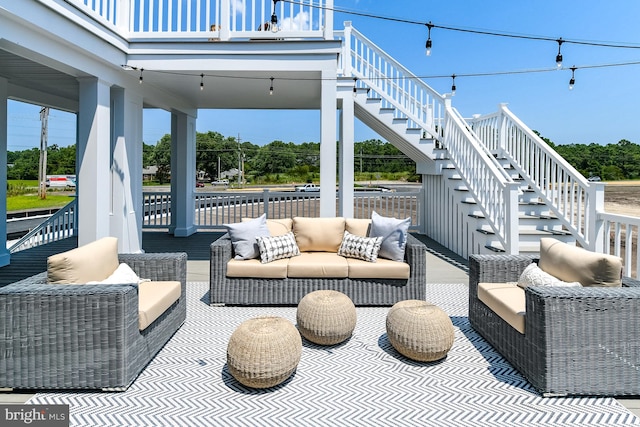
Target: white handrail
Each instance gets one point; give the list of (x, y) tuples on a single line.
[(567, 193), (496, 194), (157, 20), (397, 87), (620, 238), (58, 226)]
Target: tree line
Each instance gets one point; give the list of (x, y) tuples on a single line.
[(216, 153)]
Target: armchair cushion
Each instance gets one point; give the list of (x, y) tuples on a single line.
[(154, 298), (506, 300), (94, 261), (573, 264)]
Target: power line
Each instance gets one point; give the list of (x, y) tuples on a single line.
[(495, 33)]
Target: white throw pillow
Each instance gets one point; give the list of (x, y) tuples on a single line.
[(243, 236), (394, 235), (123, 274), (364, 248), (534, 276), (277, 247)]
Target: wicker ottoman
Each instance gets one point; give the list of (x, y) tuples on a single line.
[(419, 330), (264, 351), (326, 317)]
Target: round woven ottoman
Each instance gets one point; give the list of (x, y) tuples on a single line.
[(419, 330), (264, 351), (326, 317)]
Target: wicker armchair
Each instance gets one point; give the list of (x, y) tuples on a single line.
[(577, 341), (84, 336)]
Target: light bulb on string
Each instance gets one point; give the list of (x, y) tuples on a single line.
[(274, 18), (355, 88), (572, 81), (140, 79), (271, 87), (559, 55), (202, 81), (453, 85), (429, 43)]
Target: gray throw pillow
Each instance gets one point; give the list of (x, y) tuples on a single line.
[(243, 236), (394, 235)]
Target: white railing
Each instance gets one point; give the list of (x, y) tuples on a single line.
[(495, 193), (620, 238), (211, 20), (567, 193), (397, 87), (58, 226), (214, 209)]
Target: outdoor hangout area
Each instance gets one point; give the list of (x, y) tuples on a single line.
[(444, 355)]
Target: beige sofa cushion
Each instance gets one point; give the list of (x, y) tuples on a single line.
[(94, 261), (279, 227), (507, 300), (381, 269), (154, 298), (254, 268), (318, 264), (358, 226), (574, 264), (318, 234)]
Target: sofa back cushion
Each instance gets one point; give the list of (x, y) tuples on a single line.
[(574, 264), (276, 227), (358, 226), (318, 234), (92, 262)]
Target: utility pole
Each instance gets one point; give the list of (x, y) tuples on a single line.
[(239, 162), (42, 170)]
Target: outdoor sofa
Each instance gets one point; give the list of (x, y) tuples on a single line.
[(575, 340), (58, 331), (319, 266)]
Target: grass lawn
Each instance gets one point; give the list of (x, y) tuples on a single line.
[(33, 201)]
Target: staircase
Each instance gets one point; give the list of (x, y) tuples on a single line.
[(501, 186)]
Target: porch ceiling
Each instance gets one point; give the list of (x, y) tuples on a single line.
[(238, 89)]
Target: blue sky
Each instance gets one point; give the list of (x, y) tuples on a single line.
[(601, 108)]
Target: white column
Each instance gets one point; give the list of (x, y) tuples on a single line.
[(93, 160), (5, 257), (183, 174), (345, 163), (126, 170), (328, 144)]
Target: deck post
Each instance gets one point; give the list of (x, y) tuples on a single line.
[(126, 170), (5, 256), (328, 144), (345, 154), (183, 174), (595, 225), (93, 160)]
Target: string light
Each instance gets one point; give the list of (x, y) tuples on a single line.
[(140, 79), (355, 89), (453, 84), (274, 18), (202, 81), (428, 44), (559, 55), (271, 87), (573, 77)]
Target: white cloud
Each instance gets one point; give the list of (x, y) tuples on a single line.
[(238, 6), (298, 23)]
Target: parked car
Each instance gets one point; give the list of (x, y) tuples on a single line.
[(220, 182), (308, 188), (199, 184), (594, 179)]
